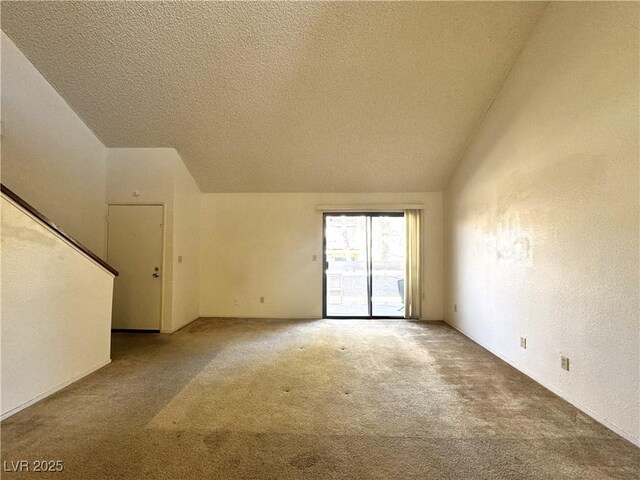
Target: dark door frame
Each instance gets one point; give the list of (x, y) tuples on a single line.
[(369, 263)]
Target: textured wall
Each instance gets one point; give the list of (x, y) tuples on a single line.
[(542, 213), (257, 245), (160, 177), (186, 244), (49, 157), (53, 332)]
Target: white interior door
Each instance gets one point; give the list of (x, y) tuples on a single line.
[(134, 248)]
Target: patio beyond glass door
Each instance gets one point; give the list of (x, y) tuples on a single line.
[(364, 265)]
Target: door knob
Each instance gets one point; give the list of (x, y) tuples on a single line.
[(155, 274)]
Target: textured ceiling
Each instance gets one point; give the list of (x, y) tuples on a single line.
[(281, 97)]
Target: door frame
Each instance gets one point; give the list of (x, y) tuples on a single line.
[(395, 213), (163, 250)]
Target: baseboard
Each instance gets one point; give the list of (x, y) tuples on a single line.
[(611, 426), (53, 390), (264, 317), (180, 326)]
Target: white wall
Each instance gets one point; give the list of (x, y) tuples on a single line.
[(56, 311), (186, 244), (49, 156), (159, 176), (262, 244), (542, 213), (52, 160)]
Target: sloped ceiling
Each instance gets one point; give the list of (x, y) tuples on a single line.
[(281, 97)]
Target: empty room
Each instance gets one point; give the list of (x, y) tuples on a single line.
[(315, 240)]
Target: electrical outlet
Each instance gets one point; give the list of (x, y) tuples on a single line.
[(564, 363), (455, 307), (314, 258), (523, 342), (179, 258), (236, 301), (261, 299)]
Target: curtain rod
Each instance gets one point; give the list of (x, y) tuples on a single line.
[(367, 207)]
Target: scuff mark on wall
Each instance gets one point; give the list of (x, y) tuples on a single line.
[(20, 234), (513, 244)]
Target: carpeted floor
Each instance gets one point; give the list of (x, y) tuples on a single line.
[(279, 399)]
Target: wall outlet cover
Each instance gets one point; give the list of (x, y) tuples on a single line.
[(564, 363), (523, 342)]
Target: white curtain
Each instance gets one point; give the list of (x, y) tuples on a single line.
[(413, 269)]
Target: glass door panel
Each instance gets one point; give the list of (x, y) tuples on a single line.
[(387, 265), (346, 266), (364, 265)]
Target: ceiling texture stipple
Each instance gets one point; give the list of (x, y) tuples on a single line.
[(281, 97)]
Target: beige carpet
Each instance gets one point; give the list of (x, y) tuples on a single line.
[(352, 399)]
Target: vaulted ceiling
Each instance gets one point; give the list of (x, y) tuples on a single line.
[(281, 97)]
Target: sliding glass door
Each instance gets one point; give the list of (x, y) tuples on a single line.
[(387, 265), (364, 265), (346, 256)]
